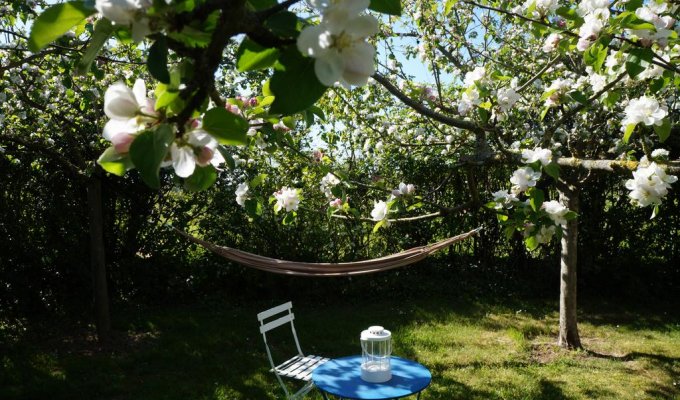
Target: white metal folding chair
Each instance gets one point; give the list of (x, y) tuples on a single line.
[(299, 367)]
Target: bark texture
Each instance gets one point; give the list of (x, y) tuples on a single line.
[(568, 336)]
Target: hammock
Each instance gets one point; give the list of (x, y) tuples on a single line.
[(297, 268)]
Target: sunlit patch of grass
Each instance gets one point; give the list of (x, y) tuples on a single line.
[(474, 350)]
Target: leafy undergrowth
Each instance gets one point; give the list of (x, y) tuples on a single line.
[(475, 350)]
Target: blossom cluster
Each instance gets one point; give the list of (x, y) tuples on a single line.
[(338, 43), (649, 185), (551, 215), (646, 110), (595, 15), (327, 184), (131, 112), (287, 198)]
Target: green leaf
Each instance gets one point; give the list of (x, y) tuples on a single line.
[(250, 56), (226, 127), (253, 207), (629, 131), (149, 150), (55, 21), (632, 5), (657, 84), (379, 225), (484, 114), (284, 24), (294, 84), (102, 31), (544, 112), (318, 112), (449, 6), (579, 97), (595, 56), (391, 7), (569, 215), (568, 13), (629, 20), (663, 130), (114, 163), (257, 181), (531, 243), (201, 179), (289, 218), (228, 159), (537, 197), (638, 60), (612, 98), (157, 61), (165, 97), (553, 170)]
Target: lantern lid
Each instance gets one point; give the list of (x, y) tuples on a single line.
[(375, 333)]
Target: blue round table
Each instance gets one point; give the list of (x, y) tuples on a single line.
[(342, 377)]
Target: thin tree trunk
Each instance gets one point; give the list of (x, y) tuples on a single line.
[(97, 260), (568, 336)]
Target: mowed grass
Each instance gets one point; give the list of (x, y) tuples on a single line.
[(475, 350)]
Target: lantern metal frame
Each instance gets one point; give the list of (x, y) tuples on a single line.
[(375, 362)]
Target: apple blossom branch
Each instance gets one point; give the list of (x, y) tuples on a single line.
[(425, 111), (551, 131), (659, 60)]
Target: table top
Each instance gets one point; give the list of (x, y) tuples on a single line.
[(342, 377)]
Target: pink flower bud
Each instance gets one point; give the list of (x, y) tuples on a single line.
[(121, 142), (337, 203), (204, 157), (233, 109)]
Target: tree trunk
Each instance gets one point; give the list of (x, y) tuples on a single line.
[(97, 260), (568, 337)]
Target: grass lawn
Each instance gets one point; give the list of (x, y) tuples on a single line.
[(475, 350)]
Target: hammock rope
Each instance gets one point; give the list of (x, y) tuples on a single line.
[(298, 268)]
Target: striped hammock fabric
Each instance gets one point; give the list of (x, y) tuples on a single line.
[(297, 268)]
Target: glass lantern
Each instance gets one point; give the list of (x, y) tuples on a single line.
[(376, 348)]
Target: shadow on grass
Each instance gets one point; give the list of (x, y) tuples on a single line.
[(218, 353)]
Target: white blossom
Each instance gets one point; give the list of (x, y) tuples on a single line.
[(660, 153), (538, 154), (556, 211), (545, 234), (507, 97), (469, 99), (127, 13), (339, 44), (524, 178), (646, 110), (287, 198), (649, 185), (380, 211), (473, 76), (196, 148), (242, 194), (404, 190), (129, 111), (551, 42), (504, 199), (327, 183)]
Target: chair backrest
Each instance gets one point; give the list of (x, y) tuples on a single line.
[(274, 318)]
